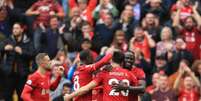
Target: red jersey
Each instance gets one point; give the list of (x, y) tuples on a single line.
[(185, 95), (144, 47), (37, 87), (45, 8), (86, 14), (83, 75), (185, 11), (193, 42), (97, 93), (139, 74), (115, 76)]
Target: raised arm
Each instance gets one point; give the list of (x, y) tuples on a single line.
[(176, 20), (92, 5), (196, 15)]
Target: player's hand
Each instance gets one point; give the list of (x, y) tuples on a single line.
[(18, 49), (8, 47), (121, 86)]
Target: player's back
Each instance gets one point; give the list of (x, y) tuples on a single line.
[(82, 77), (115, 76)]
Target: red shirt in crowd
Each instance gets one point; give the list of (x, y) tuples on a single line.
[(144, 47), (83, 75), (193, 42), (45, 8), (185, 11), (186, 95), (115, 76), (87, 13), (37, 87)]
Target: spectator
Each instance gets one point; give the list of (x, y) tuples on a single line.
[(191, 85), (58, 91), (184, 7), (136, 9), (43, 10), (104, 32), (167, 43), (156, 7), (161, 64), (53, 33), (126, 22), (5, 24), (155, 84), (180, 53), (19, 52), (66, 90), (119, 41), (141, 40), (151, 24), (62, 57), (86, 7), (164, 92), (190, 31), (105, 6)]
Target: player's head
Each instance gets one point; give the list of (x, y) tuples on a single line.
[(86, 57), (129, 59), (43, 61), (118, 57)]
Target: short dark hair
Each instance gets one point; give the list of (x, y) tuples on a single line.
[(118, 57), (86, 57), (67, 84), (85, 40), (40, 58)]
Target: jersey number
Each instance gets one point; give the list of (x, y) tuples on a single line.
[(113, 91), (76, 83)]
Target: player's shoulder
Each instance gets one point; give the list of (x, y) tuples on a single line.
[(34, 76)]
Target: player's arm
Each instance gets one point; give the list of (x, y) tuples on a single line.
[(139, 88), (81, 91), (26, 93), (100, 63)]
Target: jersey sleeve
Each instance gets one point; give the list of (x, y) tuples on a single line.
[(28, 88), (99, 64), (133, 78)]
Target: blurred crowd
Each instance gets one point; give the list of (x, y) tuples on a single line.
[(164, 35)]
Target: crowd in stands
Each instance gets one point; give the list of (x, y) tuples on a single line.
[(163, 35)]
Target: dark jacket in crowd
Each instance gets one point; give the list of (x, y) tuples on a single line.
[(14, 62)]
